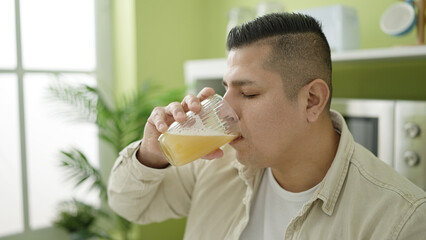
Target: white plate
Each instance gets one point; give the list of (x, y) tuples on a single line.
[(398, 19)]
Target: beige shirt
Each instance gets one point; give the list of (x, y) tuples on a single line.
[(360, 197)]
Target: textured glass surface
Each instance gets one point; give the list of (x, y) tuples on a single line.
[(7, 34), (49, 132), (11, 215), (58, 34)]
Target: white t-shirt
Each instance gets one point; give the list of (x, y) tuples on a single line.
[(272, 209)]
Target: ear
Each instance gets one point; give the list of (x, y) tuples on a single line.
[(317, 94)]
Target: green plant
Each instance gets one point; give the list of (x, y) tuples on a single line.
[(118, 125), (79, 219)]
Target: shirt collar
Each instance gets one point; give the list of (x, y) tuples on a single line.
[(248, 174), (330, 188)]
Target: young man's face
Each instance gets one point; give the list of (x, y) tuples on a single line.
[(271, 124)]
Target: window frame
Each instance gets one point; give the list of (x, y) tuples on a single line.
[(103, 73)]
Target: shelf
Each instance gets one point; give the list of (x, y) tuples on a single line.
[(214, 68), (395, 53)]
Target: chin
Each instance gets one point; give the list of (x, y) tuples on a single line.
[(241, 158), (245, 160)]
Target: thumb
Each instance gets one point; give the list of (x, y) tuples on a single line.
[(218, 153)]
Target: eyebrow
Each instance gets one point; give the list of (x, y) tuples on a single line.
[(239, 83)]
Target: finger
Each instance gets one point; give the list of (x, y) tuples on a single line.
[(218, 153), (205, 93), (176, 110), (158, 119), (191, 103)]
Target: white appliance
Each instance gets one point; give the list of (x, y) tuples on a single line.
[(394, 130), (340, 25)]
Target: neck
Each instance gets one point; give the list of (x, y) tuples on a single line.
[(313, 158)]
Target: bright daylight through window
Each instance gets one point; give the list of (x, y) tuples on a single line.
[(42, 41)]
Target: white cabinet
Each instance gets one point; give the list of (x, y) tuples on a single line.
[(209, 72), (395, 53)]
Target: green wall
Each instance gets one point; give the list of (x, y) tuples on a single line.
[(124, 45), (403, 79), (170, 32), (369, 13), (154, 38)]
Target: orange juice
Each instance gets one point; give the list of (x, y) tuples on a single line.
[(181, 149)]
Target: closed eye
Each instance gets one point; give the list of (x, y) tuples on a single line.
[(249, 95)]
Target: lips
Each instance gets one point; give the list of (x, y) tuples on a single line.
[(238, 139)]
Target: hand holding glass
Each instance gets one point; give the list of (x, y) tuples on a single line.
[(200, 134)]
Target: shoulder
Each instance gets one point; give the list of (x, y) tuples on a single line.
[(377, 174), (374, 190)]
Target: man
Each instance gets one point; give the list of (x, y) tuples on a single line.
[(294, 173)]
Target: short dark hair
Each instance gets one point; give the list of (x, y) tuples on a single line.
[(299, 49)]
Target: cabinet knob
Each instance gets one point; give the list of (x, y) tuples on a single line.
[(411, 158), (412, 130)]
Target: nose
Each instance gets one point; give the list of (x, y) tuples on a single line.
[(231, 101), (227, 99)]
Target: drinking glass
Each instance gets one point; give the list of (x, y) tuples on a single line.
[(200, 134)]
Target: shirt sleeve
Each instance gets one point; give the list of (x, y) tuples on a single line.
[(415, 226), (144, 195)]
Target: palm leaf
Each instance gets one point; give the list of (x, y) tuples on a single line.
[(118, 125), (79, 170), (76, 102)]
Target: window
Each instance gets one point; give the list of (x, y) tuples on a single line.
[(10, 157), (42, 40)]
